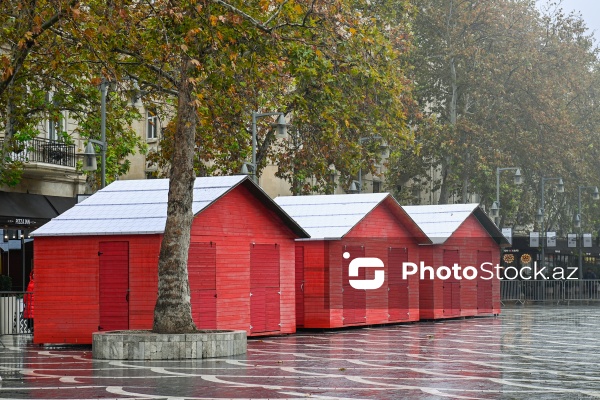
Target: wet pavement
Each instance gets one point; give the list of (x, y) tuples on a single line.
[(549, 352)]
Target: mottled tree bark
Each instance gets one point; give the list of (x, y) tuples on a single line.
[(173, 311)]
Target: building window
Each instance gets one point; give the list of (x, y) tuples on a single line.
[(376, 187), (151, 125), (56, 125)]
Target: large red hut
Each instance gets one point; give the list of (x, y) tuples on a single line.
[(464, 235), (342, 229), (96, 264)]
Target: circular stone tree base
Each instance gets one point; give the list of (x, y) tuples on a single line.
[(146, 345)]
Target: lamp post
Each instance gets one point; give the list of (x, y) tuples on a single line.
[(280, 125), (595, 196), (541, 212), (518, 179), (89, 163), (361, 140)]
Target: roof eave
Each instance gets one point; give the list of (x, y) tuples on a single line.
[(271, 204), (490, 227)]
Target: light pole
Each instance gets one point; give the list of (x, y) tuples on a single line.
[(595, 196), (89, 163), (495, 210), (280, 125), (360, 141), (541, 212)]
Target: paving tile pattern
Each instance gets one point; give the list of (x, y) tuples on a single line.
[(527, 353)]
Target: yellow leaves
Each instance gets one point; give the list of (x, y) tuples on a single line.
[(7, 73), (89, 33), (298, 9), (75, 12), (352, 31), (37, 21), (28, 36), (213, 20), (264, 5)]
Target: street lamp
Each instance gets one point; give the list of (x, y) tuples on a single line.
[(595, 196), (361, 140), (280, 126), (89, 162), (541, 212), (518, 179)]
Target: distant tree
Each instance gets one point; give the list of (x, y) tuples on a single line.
[(509, 86)]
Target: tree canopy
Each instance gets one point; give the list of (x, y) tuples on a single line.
[(509, 85)]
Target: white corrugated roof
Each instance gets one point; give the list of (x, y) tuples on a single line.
[(329, 216), (439, 222), (132, 207)]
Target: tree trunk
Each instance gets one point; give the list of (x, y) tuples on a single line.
[(444, 187), (447, 162), (173, 311)]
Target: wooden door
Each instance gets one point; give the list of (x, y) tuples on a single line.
[(299, 286), (451, 291), (484, 286), (354, 300), (202, 274), (398, 288), (114, 286), (265, 311)]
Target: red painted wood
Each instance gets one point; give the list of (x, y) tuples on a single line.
[(265, 308), (328, 302), (202, 274), (355, 300), (114, 286), (67, 272), (451, 286), (299, 285), (436, 296), (398, 288), (485, 303)]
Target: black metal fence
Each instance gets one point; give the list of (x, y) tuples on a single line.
[(555, 291), (15, 314), (45, 151)]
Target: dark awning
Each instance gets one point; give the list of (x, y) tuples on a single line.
[(29, 211)]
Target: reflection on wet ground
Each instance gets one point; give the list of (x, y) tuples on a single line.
[(549, 352)]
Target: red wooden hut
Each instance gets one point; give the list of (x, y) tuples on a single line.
[(343, 228), (461, 234), (96, 264)]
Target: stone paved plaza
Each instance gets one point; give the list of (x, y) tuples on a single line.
[(550, 352)]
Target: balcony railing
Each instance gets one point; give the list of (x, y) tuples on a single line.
[(45, 151)]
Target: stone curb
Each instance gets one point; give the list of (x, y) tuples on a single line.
[(146, 345)]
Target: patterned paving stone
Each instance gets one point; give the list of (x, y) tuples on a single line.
[(526, 353)]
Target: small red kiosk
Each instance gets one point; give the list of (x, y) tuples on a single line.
[(343, 228), (461, 234), (96, 264)]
